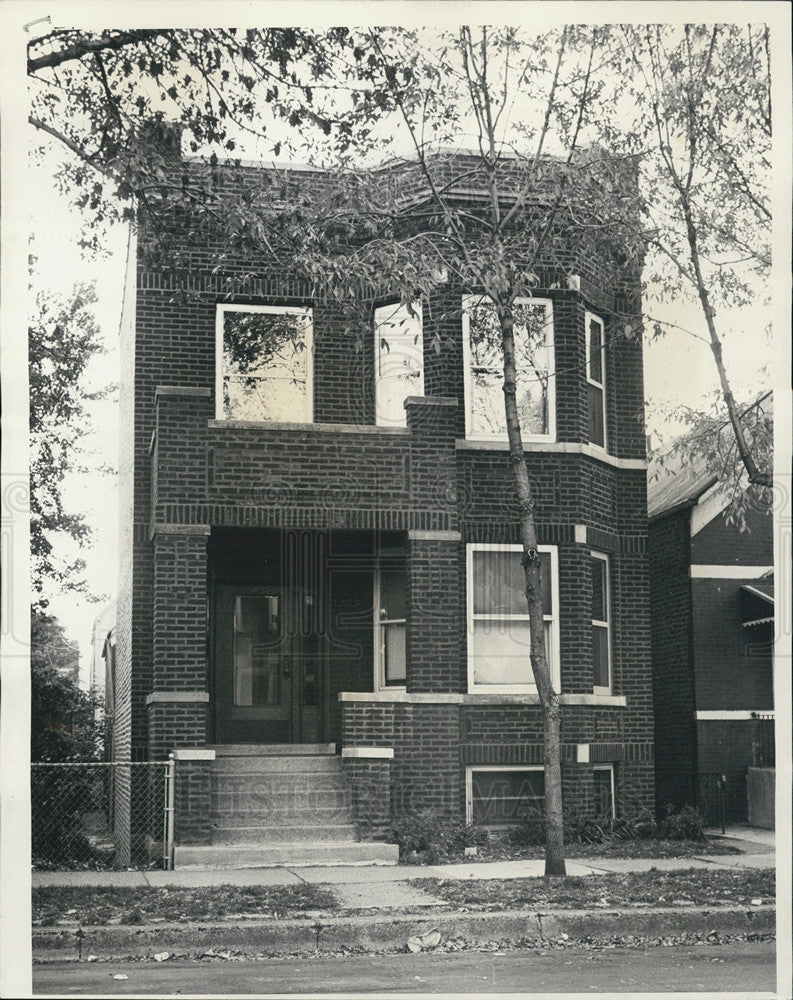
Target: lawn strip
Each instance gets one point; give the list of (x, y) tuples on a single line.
[(691, 887), (140, 905)]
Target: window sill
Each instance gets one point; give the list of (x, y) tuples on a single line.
[(555, 447), (309, 428), (479, 698)]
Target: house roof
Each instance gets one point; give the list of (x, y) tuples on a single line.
[(679, 482)]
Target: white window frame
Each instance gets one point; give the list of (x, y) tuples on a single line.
[(379, 645), (402, 422), (610, 769), (599, 688), (588, 317), (552, 652), (469, 781), (307, 414), (550, 435)]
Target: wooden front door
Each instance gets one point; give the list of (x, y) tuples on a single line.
[(269, 664)]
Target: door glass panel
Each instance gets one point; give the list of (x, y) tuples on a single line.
[(256, 650), (394, 653)]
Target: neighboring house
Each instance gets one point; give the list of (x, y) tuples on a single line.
[(322, 607), (712, 600), (104, 623)]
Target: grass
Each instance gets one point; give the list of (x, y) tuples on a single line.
[(503, 849), (139, 905), (691, 887)]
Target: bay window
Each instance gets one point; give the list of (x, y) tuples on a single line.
[(499, 641), (601, 623), (596, 380), (484, 369)]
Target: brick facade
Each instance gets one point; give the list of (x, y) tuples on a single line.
[(210, 503)]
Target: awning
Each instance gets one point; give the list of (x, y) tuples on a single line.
[(757, 603)]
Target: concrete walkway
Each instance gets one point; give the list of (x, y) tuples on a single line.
[(385, 885)]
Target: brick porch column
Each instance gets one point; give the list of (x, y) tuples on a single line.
[(433, 563), (179, 700)]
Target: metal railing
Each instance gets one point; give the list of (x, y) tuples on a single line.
[(102, 815)]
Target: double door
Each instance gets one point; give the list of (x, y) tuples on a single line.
[(270, 674)]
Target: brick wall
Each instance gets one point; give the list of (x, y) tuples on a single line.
[(673, 678)]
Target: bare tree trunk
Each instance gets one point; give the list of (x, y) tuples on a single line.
[(549, 698)]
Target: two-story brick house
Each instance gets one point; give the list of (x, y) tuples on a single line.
[(712, 600), (321, 609)]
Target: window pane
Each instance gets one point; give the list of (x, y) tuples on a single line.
[(500, 651), (599, 603), (500, 583), (502, 796), (393, 602), (597, 430), (596, 350), (533, 362), (600, 656), (394, 654), (256, 651), (266, 366), (399, 351), (604, 799)]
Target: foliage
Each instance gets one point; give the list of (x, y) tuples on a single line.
[(64, 727), (427, 837), (62, 339), (687, 823)]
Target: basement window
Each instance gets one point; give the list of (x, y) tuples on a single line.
[(604, 791), (264, 364), (484, 369), (503, 795)]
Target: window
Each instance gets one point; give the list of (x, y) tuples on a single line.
[(390, 604), (604, 792), (500, 795), (596, 379), (601, 616), (399, 361), (484, 370), (264, 364), (498, 618)]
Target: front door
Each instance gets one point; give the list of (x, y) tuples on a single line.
[(269, 664)]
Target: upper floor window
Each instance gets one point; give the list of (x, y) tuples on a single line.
[(596, 379), (399, 361), (264, 364), (499, 641), (484, 369), (601, 623)]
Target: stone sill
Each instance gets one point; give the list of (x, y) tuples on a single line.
[(263, 425), (459, 698), (554, 447)]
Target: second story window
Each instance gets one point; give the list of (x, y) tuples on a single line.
[(596, 379), (484, 369), (264, 364), (399, 361)]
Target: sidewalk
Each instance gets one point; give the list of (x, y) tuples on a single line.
[(757, 847)]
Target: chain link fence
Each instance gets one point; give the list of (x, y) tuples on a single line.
[(101, 815)]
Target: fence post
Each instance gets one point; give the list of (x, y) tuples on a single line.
[(170, 809)]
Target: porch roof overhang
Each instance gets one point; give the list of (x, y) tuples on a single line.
[(757, 603)]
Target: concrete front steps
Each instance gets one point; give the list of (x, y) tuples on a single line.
[(281, 804)]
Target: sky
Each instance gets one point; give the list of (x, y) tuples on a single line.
[(679, 370)]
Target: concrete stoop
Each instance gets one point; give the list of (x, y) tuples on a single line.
[(281, 804)]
